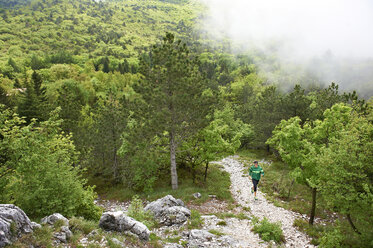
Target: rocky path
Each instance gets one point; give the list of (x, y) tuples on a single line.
[(260, 208)]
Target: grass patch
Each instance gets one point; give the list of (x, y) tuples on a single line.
[(216, 232), (222, 223), (173, 239), (79, 224), (225, 215), (269, 231), (41, 237), (316, 232), (242, 216), (58, 224), (195, 220), (217, 183)]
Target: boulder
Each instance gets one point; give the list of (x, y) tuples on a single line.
[(64, 234), (168, 210), (172, 245), (199, 238), (174, 215), (13, 223), (117, 242), (118, 221), (197, 195), (201, 235), (51, 219)]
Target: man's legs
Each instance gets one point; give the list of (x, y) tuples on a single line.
[(255, 185)]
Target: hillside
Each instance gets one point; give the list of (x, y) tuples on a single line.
[(90, 29), (127, 99)]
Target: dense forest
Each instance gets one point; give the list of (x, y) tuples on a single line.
[(132, 93)]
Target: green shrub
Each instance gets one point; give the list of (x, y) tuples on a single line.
[(136, 211), (269, 231), (195, 220), (331, 239), (43, 179)]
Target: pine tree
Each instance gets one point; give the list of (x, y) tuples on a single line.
[(174, 104)]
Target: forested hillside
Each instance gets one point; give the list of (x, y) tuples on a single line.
[(131, 95)]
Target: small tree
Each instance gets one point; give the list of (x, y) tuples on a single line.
[(220, 138), (299, 146)]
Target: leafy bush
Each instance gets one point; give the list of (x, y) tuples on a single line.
[(39, 176), (136, 211), (269, 231), (331, 239)]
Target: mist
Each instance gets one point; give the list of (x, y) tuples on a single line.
[(323, 40)]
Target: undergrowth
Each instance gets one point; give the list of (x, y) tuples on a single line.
[(195, 220), (269, 231), (136, 211), (217, 183)]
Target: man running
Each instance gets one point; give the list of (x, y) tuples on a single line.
[(255, 173)]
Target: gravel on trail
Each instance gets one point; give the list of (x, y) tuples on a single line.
[(241, 192)]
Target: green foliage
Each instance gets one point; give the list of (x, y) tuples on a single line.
[(331, 239), (195, 220), (269, 231), (136, 211), (37, 171), (220, 138), (316, 232), (216, 232)]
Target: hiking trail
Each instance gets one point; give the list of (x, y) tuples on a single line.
[(241, 192)]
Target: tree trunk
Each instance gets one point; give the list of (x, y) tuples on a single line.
[(313, 209), (206, 168), (173, 161), (352, 224), (268, 148), (291, 185)]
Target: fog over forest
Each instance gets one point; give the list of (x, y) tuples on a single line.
[(315, 41)]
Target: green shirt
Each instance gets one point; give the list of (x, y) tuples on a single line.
[(256, 172)]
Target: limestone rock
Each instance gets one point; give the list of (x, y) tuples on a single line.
[(202, 235), (64, 234), (169, 211), (13, 223), (117, 242), (197, 195), (118, 221), (51, 219)]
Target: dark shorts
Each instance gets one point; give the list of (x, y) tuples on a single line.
[(255, 183)]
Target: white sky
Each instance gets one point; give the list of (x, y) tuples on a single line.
[(307, 27)]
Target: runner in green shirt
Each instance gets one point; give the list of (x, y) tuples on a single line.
[(255, 173)]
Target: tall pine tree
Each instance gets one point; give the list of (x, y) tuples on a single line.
[(174, 105)]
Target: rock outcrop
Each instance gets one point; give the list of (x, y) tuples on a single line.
[(118, 221), (51, 219), (13, 223), (169, 211)]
